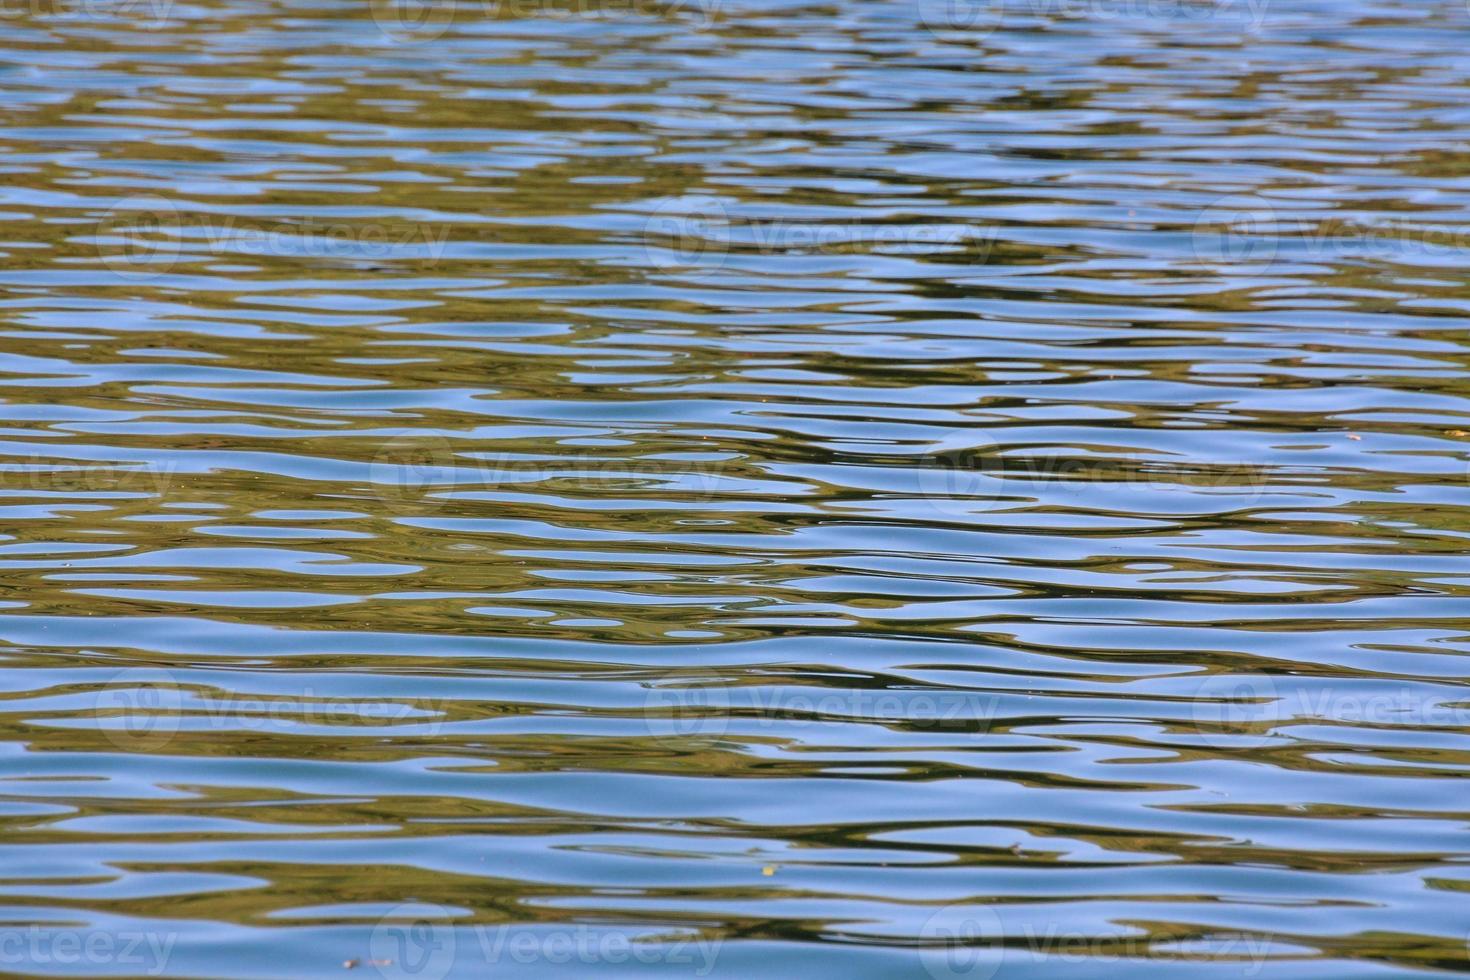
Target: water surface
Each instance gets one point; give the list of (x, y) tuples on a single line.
[(861, 489)]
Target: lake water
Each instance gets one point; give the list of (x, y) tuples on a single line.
[(859, 489)]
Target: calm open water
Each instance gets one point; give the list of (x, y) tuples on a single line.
[(843, 490)]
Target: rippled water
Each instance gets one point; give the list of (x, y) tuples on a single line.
[(863, 489)]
